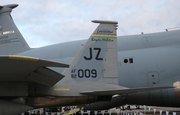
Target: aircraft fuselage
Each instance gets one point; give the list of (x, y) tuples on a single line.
[(144, 60)]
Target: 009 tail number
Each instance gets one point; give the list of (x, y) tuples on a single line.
[(84, 73)]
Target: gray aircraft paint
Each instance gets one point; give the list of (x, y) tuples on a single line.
[(96, 51), (35, 79), (97, 65), (11, 40), (153, 54)]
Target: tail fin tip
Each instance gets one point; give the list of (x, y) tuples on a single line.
[(105, 22), (9, 6)]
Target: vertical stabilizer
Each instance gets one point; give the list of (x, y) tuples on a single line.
[(11, 40), (97, 59)]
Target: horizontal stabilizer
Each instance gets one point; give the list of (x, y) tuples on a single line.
[(29, 69), (32, 60), (123, 91), (45, 76)]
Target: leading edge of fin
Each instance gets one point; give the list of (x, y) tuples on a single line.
[(105, 22)]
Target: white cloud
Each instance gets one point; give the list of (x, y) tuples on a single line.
[(47, 22)]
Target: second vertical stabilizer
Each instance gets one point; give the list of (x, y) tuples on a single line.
[(97, 60), (11, 40)]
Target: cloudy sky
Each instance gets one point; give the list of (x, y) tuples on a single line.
[(46, 22)]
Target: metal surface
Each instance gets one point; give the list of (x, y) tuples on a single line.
[(139, 62)]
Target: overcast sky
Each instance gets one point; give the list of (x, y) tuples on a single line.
[(45, 22)]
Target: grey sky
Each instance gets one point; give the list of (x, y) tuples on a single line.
[(45, 22)]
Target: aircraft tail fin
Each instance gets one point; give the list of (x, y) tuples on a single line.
[(11, 40), (97, 59)]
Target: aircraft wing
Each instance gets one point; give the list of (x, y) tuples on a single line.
[(29, 69), (123, 90)]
